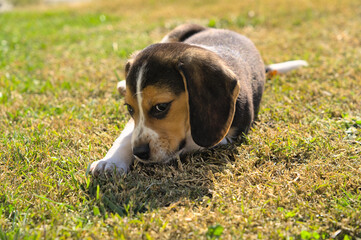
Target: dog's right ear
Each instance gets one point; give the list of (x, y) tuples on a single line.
[(130, 62), (122, 84)]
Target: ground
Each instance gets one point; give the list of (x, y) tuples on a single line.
[(297, 175)]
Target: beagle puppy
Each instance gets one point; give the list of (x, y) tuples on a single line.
[(198, 88)]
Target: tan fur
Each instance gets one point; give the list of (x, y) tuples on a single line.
[(131, 99), (171, 130)]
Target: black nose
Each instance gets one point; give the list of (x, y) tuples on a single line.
[(142, 151)]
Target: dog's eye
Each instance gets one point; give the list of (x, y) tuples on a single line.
[(160, 110), (161, 107), (130, 109)]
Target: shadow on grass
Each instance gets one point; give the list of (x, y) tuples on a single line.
[(148, 187)]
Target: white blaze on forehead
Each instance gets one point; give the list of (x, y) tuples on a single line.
[(139, 93), (141, 132)]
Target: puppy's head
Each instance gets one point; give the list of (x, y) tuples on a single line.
[(174, 90)]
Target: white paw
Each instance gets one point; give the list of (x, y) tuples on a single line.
[(108, 166)]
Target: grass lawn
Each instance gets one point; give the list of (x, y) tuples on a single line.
[(297, 176)]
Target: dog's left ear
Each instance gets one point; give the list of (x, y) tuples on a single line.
[(212, 93)]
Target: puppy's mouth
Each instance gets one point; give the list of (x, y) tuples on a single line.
[(166, 157)]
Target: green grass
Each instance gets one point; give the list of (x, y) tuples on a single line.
[(297, 176)]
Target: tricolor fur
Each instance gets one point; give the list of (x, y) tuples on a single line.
[(198, 88)]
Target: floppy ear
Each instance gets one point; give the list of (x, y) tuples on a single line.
[(121, 86), (130, 62), (212, 93)]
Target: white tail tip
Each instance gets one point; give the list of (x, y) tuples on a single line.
[(286, 66)]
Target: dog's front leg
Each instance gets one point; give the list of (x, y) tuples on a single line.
[(119, 156)]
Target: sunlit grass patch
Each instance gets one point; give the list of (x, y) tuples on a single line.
[(296, 176)]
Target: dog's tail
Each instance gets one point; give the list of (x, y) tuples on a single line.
[(284, 67), (182, 32)]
